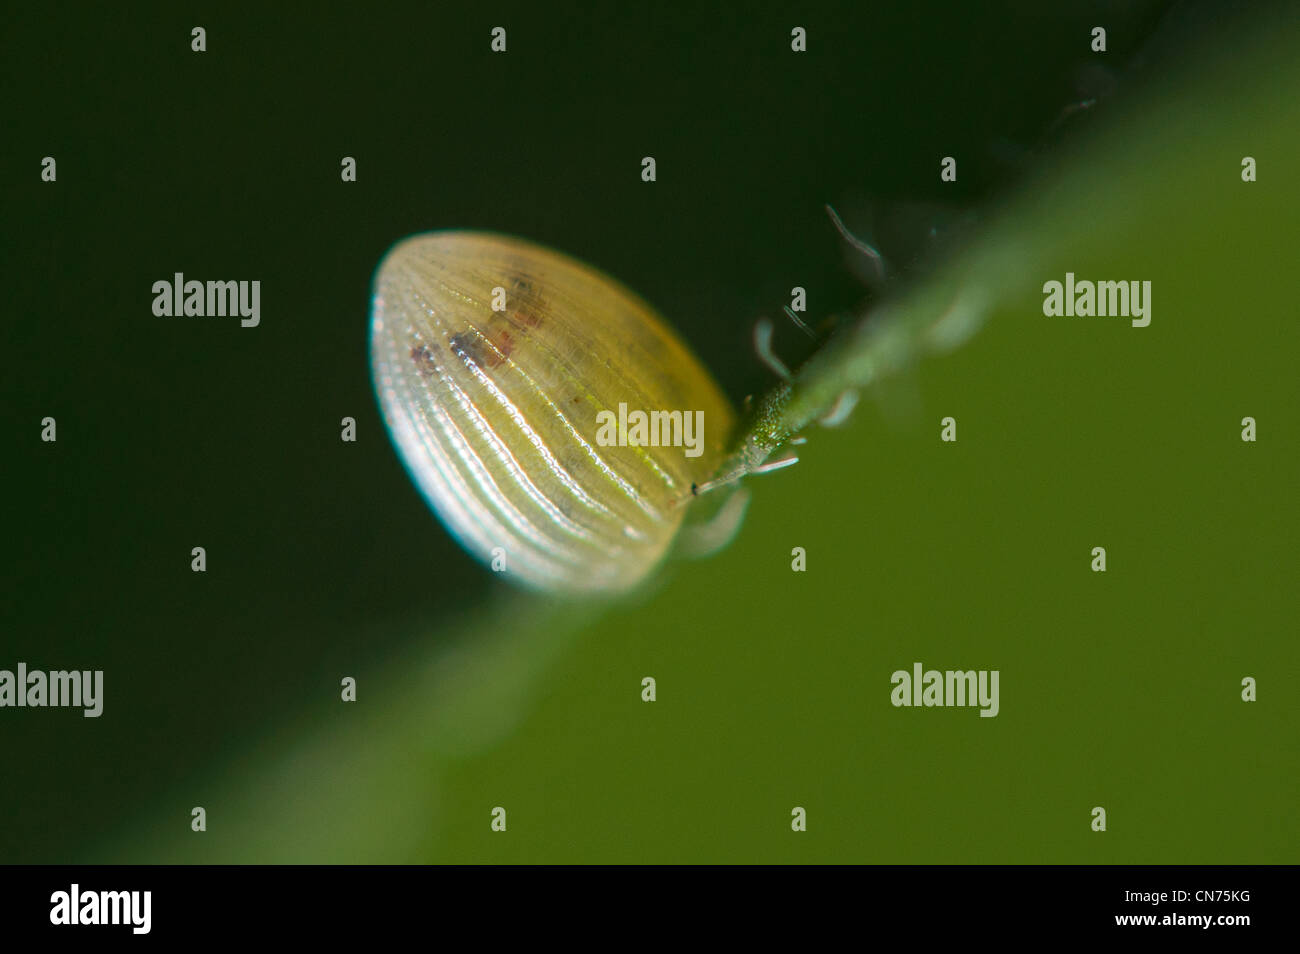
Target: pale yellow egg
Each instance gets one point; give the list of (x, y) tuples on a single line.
[(493, 359)]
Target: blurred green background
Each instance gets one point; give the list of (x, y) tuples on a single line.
[(222, 689)]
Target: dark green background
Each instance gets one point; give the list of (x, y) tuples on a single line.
[(1118, 690)]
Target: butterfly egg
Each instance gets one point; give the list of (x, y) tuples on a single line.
[(512, 379)]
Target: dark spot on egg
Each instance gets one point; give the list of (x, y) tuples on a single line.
[(505, 347), (423, 357), (467, 345)]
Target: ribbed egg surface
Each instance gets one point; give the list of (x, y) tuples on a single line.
[(493, 358)]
